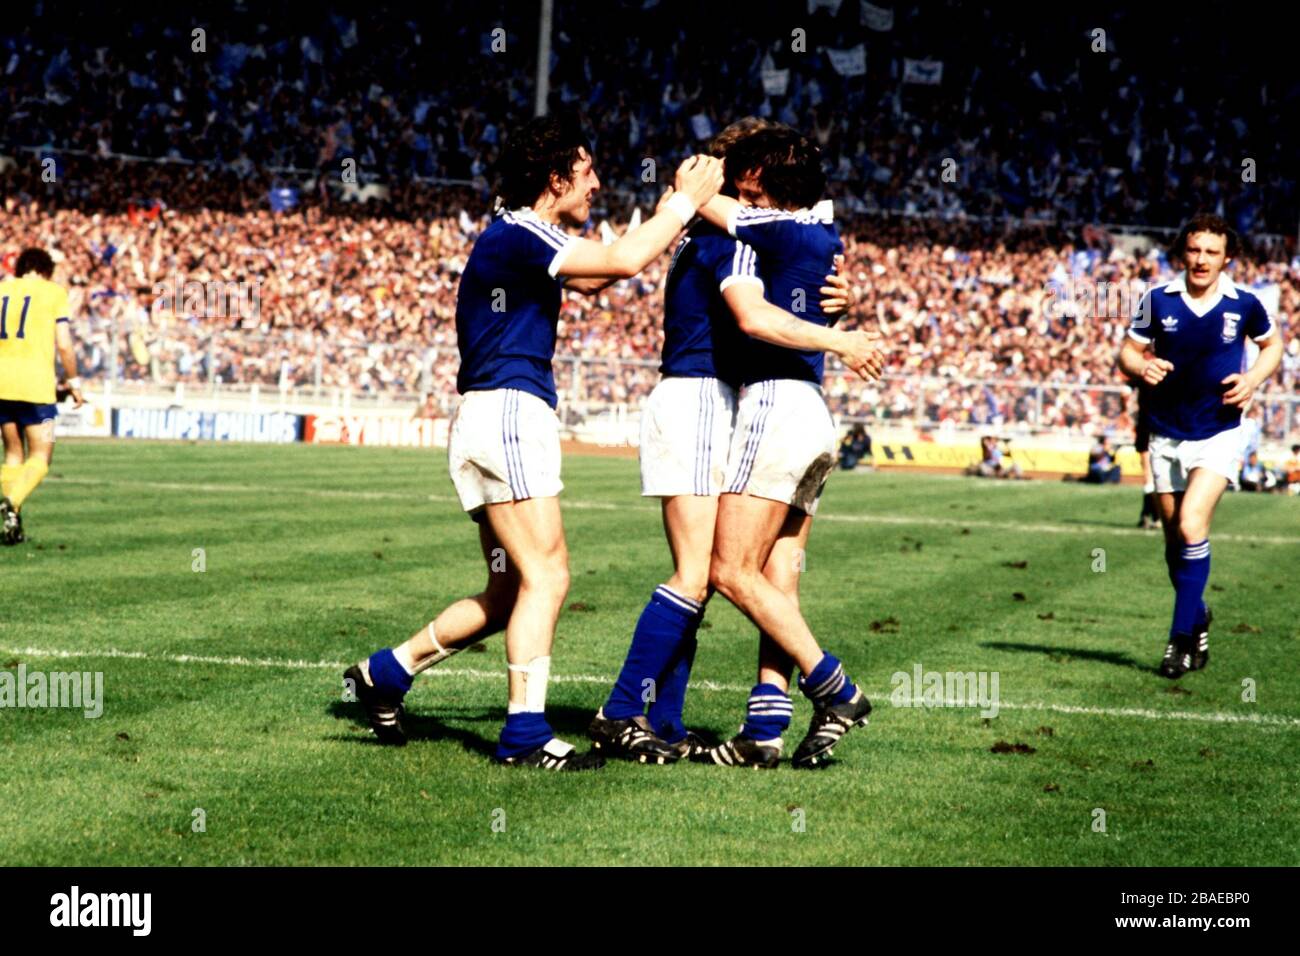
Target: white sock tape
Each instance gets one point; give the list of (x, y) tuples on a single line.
[(440, 653), (537, 673)]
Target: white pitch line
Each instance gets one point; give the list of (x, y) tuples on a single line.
[(580, 504), (467, 673)]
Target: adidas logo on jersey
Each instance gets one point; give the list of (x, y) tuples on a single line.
[(1170, 323)]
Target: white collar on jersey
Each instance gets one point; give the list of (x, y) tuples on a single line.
[(823, 211), (1225, 287)]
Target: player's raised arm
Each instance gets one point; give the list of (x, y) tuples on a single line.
[(859, 351), (720, 211), (698, 180)]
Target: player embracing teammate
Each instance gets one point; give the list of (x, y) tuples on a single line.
[(743, 287), (1186, 346), (504, 445), (714, 310)]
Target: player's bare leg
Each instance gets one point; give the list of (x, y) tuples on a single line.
[(688, 524), (658, 662), (470, 619), (768, 710), (784, 568), (748, 528), (532, 533)]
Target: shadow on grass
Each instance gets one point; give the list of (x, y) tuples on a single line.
[(1077, 653), (570, 723)]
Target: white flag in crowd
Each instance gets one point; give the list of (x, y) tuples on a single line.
[(776, 82), (927, 72), (852, 62), (877, 18)]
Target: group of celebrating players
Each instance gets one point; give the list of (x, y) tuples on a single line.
[(737, 442), (736, 439)]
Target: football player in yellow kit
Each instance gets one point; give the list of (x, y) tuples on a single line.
[(33, 322)]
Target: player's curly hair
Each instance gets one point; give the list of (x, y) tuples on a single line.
[(789, 165), (735, 132), (539, 149), (731, 135), (34, 260), (1205, 222)]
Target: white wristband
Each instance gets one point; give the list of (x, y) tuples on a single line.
[(683, 206), (74, 382)]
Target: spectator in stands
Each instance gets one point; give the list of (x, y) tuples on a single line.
[(855, 447), (1102, 468), (1254, 476), (995, 462), (1291, 471)]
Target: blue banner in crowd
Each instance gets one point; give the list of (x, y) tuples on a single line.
[(180, 423)]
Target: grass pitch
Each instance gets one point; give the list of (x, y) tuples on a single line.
[(222, 686)]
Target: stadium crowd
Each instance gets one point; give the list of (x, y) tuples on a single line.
[(1074, 115), (1047, 129), (368, 305)]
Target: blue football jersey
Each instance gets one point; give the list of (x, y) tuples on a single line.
[(701, 338), (1205, 348), (796, 251), (508, 304)]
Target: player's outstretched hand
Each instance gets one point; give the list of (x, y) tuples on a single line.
[(699, 178), (862, 354), (1240, 389), (1154, 372), (837, 294)]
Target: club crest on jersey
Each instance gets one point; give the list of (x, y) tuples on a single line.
[(1170, 323), (1230, 320)]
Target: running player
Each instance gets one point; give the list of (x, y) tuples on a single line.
[(783, 447), (1195, 328), (33, 326), (504, 444), (685, 436)]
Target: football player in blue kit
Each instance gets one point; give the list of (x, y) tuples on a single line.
[(504, 447), (1186, 345), (686, 432), (783, 446)]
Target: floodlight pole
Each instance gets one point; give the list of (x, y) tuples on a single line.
[(544, 57)]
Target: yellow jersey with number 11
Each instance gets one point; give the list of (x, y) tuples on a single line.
[(30, 309)]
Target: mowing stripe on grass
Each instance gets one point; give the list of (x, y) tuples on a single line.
[(1212, 717), (609, 506)]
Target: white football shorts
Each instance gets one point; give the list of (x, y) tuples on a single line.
[(784, 443), (1172, 459), (686, 428), (504, 445)]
